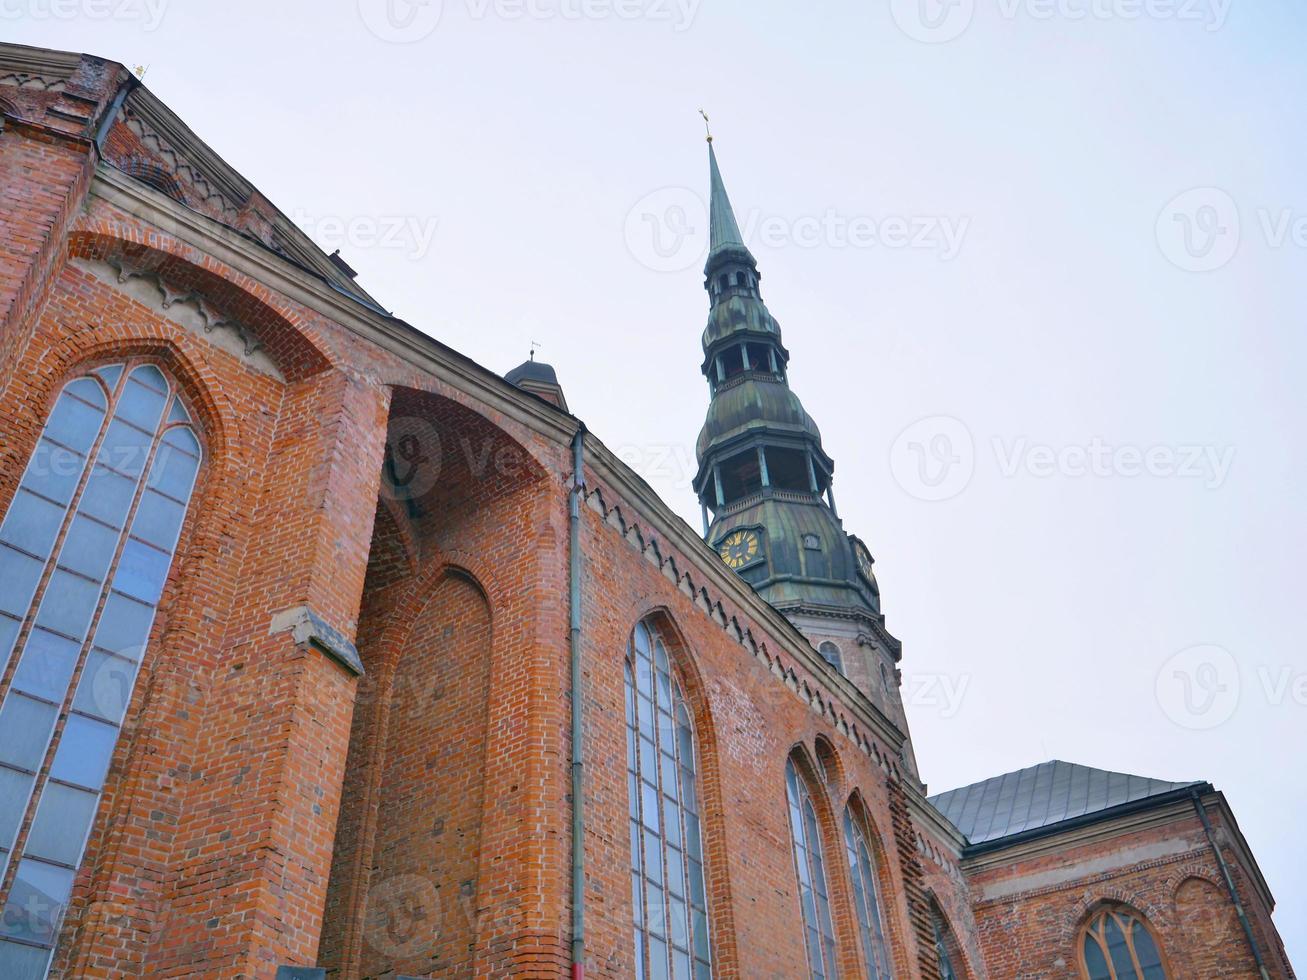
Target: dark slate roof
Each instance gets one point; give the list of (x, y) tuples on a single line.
[(532, 370), (1042, 796)]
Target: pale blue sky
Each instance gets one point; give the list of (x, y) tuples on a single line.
[(524, 148)]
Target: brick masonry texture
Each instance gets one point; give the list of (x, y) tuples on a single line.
[(266, 806)]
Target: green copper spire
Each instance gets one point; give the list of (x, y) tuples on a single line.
[(725, 237), (763, 474)]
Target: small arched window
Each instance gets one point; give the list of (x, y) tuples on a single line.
[(84, 552), (866, 897), (667, 880), (810, 866), (1116, 945), (831, 654)]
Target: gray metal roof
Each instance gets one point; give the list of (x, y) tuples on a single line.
[(1042, 796)]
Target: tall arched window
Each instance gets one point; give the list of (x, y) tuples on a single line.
[(84, 552), (1116, 945), (667, 880), (810, 865), (942, 954), (831, 654), (866, 898)]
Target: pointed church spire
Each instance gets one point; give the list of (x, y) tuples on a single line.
[(724, 234)]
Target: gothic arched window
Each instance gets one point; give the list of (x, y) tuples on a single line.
[(942, 954), (84, 552), (667, 880), (866, 899), (810, 865), (1116, 945)]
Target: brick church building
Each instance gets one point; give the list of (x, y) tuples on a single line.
[(325, 650)]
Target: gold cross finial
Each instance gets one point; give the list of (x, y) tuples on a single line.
[(705, 124)]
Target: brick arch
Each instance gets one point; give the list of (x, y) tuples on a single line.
[(958, 953), (895, 929), (1214, 941), (216, 424), (372, 757), (153, 175), (838, 886), (1156, 916), (285, 331), (684, 661), (830, 762)]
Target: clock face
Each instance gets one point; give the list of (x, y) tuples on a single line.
[(739, 548), (864, 562)]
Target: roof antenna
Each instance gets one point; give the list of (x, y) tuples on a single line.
[(534, 345), (705, 124)]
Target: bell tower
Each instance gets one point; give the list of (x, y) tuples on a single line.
[(765, 483)]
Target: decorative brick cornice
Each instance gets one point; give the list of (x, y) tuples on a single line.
[(829, 695)]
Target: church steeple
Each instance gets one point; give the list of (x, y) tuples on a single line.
[(766, 480), (763, 473)]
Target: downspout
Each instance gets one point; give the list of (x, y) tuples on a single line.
[(111, 114), (1229, 884), (574, 603)]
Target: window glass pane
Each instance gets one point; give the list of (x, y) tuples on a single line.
[(1150, 959), (88, 548), (174, 468), (148, 374), (140, 405), (158, 520), (68, 604), (22, 962), (46, 665), (178, 412), (105, 687), (25, 730), (53, 471), (15, 787), (110, 373), (1116, 945), (84, 752), (36, 902), (1095, 960), (18, 577), (63, 819), (32, 523), (141, 571), (75, 424), (107, 496), (125, 448), (124, 626)]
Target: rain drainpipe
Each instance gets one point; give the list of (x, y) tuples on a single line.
[(1229, 884), (111, 114), (578, 820)]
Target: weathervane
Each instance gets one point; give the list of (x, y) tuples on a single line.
[(705, 124), (534, 345)]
